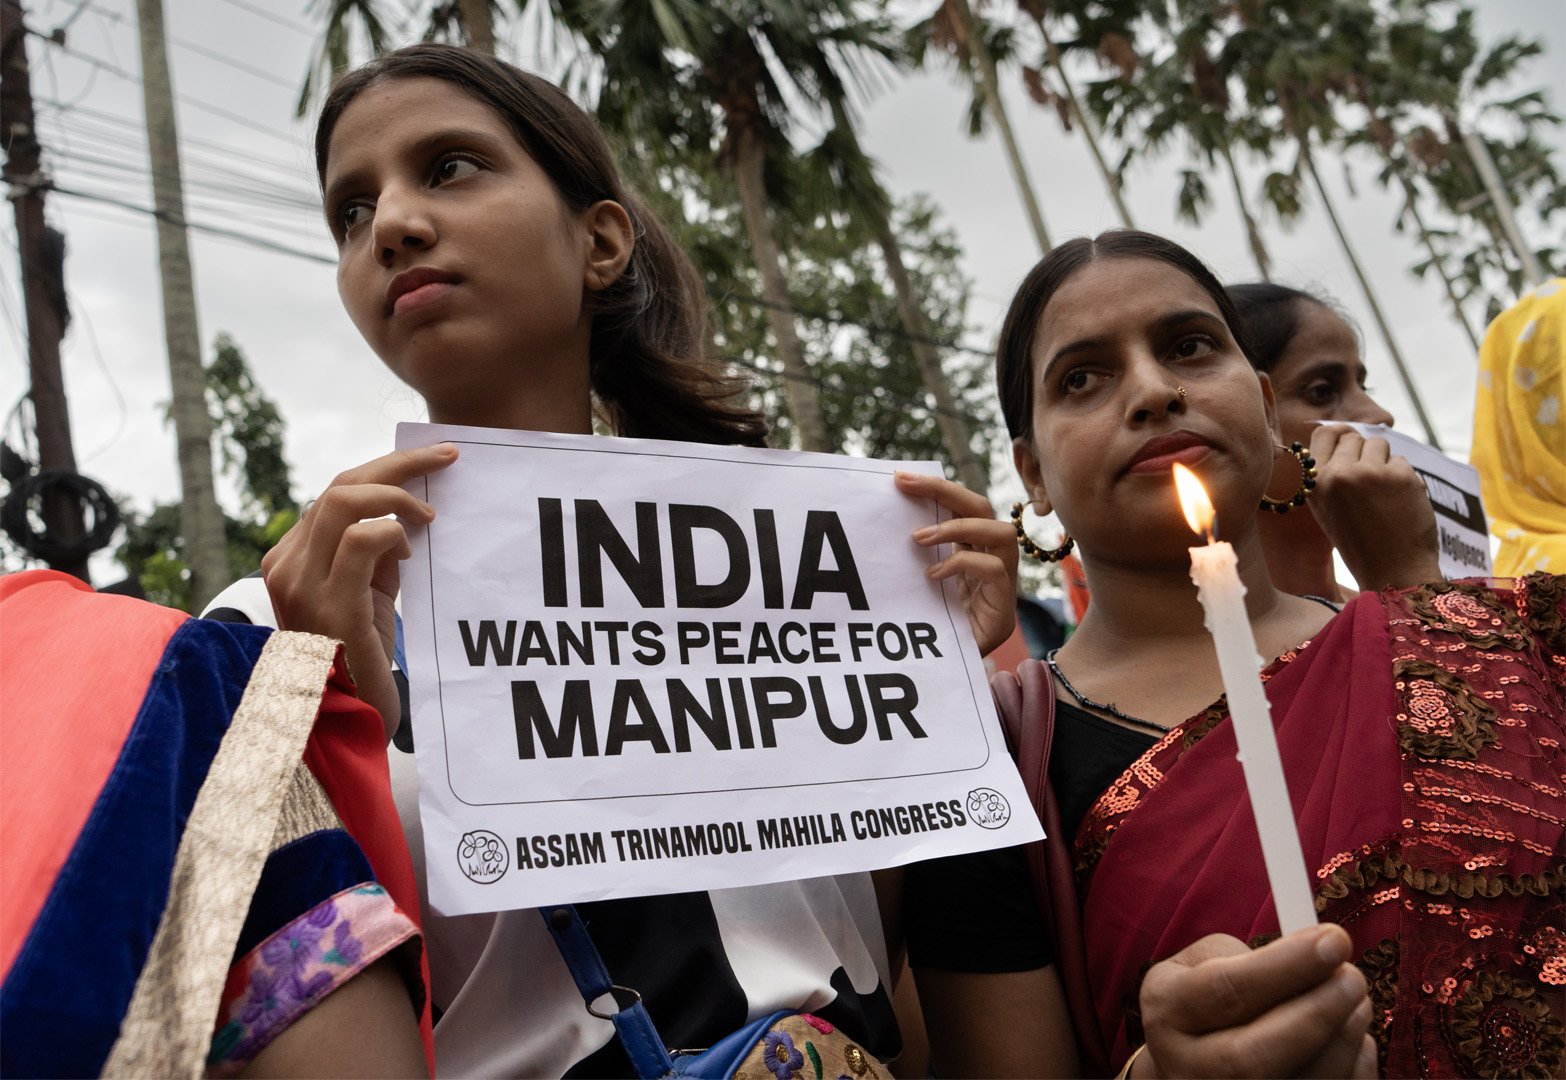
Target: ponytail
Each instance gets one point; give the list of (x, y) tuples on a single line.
[(646, 328)]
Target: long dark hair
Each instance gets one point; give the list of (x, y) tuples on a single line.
[(647, 354), (1271, 314), (1014, 353)]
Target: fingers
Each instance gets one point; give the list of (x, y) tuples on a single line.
[(984, 533), (956, 498), (1317, 1033), (400, 466), (1292, 1008), (1368, 1065), (361, 548), (1345, 1049), (340, 507), (1324, 440), (980, 567), (1210, 986)]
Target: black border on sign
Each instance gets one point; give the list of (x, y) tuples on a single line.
[(430, 555)]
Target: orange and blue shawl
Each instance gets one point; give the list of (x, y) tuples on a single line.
[(197, 836)]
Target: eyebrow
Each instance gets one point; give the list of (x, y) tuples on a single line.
[(1162, 324), (418, 148), (1320, 368)]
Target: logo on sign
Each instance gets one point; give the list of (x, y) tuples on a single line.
[(988, 808), (482, 856)]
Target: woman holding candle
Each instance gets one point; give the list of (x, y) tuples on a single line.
[(1369, 505), (1420, 735)]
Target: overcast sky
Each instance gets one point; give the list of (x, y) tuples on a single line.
[(236, 117)]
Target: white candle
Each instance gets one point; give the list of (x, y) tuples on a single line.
[(1215, 570)]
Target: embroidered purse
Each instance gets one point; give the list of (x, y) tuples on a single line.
[(781, 1046), (1026, 703)]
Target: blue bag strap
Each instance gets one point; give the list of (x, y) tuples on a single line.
[(631, 1021), (399, 646)]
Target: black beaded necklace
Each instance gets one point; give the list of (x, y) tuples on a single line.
[(1089, 703)]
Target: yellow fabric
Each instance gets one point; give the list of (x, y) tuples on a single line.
[(1520, 432)]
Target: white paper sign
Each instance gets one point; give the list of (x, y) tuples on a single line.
[(1454, 495), (644, 667)]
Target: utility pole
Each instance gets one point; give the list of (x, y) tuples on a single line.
[(200, 517), (25, 183)]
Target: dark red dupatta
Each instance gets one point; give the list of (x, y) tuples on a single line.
[(1421, 734)]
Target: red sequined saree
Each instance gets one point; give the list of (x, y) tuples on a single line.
[(1421, 733)]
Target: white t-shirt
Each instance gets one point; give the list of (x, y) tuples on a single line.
[(705, 963)]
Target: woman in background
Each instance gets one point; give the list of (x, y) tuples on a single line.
[(1367, 504), (1421, 733), (1520, 431)]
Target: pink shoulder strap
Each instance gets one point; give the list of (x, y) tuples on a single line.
[(1026, 703)]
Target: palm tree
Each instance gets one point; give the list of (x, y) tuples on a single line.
[(1289, 69), (1067, 102), (853, 179), (471, 22), (739, 70), (1182, 91), (335, 52), (953, 28)]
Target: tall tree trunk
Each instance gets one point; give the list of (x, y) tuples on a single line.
[(1252, 230), (948, 413), (990, 84), (201, 519), (1370, 297), (799, 384), (1501, 201), (1111, 181), (1435, 256), (477, 22), (62, 513)]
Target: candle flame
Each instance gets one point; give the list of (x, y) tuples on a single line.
[(1195, 504)]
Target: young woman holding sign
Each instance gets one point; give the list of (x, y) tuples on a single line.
[(1421, 733), (1368, 505), (491, 256)]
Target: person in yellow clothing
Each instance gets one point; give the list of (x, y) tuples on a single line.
[(1520, 432)]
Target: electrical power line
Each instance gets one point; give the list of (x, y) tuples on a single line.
[(273, 17), (194, 226), (263, 196), (121, 73), (132, 131), (211, 54)]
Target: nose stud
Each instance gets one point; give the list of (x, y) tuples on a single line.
[(1181, 391)]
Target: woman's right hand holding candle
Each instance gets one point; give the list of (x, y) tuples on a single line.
[(1293, 1008), (335, 571)]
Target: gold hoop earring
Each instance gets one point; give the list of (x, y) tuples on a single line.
[(1307, 483), (1025, 542)]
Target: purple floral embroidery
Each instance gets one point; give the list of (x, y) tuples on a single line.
[(287, 974), (345, 950), (781, 1056)]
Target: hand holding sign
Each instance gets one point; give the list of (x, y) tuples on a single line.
[(335, 572), (647, 667), (1374, 508), (985, 559)]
